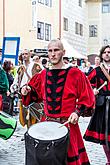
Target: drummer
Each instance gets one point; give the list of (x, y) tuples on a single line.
[(66, 94)]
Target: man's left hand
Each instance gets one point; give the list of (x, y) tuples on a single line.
[(73, 118)]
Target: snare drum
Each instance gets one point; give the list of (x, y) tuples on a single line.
[(7, 125), (46, 143)]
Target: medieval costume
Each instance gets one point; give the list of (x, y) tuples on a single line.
[(4, 86), (63, 92), (98, 130)]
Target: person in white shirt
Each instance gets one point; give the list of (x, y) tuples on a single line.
[(24, 73)]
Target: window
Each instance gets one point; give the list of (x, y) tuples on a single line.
[(81, 30), (105, 6), (92, 30), (80, 3), (78, 29), (33, 2), (40, 30), (41, 1), (48, 3), (65, 24), (47, 32), (34, 13)]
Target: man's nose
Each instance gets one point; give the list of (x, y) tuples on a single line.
[(53, 52)]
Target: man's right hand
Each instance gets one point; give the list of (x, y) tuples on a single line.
[(95, 91), (25, 90)]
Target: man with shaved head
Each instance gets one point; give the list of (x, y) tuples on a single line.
[(66, 94)]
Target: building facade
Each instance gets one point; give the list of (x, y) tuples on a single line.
[(83, 23), (98, 25)]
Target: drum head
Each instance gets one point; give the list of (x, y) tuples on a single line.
[(47, 131)]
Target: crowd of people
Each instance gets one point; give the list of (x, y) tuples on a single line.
[(67, 91)]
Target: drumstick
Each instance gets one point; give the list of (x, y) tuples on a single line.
[(105, 83), (64, 124)]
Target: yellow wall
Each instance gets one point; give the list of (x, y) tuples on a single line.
[(94, 18), (18, 21)]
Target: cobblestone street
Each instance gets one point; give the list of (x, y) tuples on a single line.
[(12, 151), (95, 151)]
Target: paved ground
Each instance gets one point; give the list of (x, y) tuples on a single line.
[(95, 151), (12, 151)]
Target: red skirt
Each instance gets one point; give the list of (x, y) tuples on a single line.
[(76, 152)]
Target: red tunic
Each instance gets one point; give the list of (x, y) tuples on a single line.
[(63, 91)]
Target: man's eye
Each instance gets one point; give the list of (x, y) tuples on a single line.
[(53, 50), (107, 52), (56, 50), (50, 50)]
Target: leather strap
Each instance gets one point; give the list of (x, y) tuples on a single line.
[(105, 72)]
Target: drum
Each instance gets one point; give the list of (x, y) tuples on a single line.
[(7, 125), (34, 112), (46, 143)]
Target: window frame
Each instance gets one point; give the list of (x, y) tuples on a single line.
[(47, 32), (65, 23), (40, 35), (93, 30), (105, 6), (34, 13), (78, 29), (80, 3), (41, 1), (49, 4)]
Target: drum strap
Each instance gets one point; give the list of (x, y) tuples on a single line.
[(105, 72)]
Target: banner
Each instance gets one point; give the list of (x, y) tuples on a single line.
[(10, 49)]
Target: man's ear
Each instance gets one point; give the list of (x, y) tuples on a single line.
[(64, 52)]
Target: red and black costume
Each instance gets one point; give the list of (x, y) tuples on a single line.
[(98, 130), (64, 91)]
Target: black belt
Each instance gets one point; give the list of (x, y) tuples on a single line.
[(58, 119)]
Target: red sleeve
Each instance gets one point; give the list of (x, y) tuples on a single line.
[(35, 94), (86, 98)]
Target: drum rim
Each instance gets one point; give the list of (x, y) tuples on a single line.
[(47, 141), (50, 139)]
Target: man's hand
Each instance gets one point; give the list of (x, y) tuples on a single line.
[(95, 91), (25, 90), (73, 118), (8, 93)]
